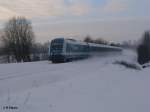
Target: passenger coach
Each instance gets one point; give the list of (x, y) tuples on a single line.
[(63, 50)]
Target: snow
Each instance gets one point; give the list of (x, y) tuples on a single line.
[(91, 85)]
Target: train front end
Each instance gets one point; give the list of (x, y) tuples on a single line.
[(57, 50)]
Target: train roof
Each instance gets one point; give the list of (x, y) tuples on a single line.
[(102, 45), (72, 41)]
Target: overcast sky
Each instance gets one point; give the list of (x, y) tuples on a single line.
[(115, 20)]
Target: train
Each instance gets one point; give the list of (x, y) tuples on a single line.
[(64, 50)]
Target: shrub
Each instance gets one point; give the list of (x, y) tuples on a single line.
[(129, 65)]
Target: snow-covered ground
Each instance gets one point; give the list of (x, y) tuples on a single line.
[(91, 85)]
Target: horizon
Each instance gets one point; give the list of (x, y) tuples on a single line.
[(112, 20)]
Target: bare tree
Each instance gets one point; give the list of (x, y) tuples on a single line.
[(97, 41), (143, 49), (40, 51), (88, 39), (18, 38), (100, 41)]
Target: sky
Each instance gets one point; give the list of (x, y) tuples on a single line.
[(113, 20)]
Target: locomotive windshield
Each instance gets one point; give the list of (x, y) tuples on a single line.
[(57, 45)]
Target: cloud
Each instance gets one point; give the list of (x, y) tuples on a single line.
[(6, 13), (32, 8), (52, 18), (108, 29), (79, 9), (115, 6)]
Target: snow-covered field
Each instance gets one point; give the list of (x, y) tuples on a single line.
[(91, 85)]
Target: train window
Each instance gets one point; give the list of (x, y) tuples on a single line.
[(68, 47), (57, 44), (76, 48)]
